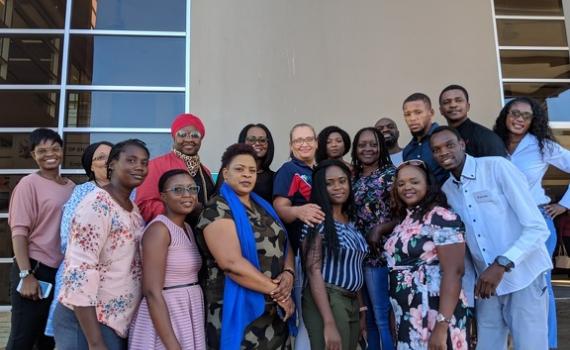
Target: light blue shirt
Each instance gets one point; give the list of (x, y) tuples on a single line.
[(501, 218), (533, 165)]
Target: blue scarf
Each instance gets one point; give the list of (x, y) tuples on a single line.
[(242, 305)]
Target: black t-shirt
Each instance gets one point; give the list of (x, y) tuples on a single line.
[(481, 141)]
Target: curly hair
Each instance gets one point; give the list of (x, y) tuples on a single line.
[(384, 159), (538, 126), (323, 138), (237, 149)]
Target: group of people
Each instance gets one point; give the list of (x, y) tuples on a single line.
[(412, 248)]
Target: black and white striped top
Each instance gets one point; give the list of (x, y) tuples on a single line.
[(344, 270)]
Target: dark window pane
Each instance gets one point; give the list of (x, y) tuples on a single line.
[(7, 184), (29, 108), (5, 288), (75, 143), (112, 60), (123, 109), (535, 64), (5, 239), (30, 59), (15, 152), (129, 14), (529, 7), (46, 14), (555, 97), (531, 33), (77, 179)]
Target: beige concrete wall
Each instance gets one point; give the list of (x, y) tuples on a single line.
[(324, 62)]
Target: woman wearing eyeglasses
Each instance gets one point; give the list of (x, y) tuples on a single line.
[(171, 314), (259, 137), (523, 126), (425, 255), (187, 133)]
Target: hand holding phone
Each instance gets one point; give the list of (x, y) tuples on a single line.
[(44, 289)]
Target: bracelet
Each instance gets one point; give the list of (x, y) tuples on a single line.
[(290, 271), (363, 308)]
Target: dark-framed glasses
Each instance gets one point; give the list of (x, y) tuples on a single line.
[(252, 139), (516, 114), (181, 190)]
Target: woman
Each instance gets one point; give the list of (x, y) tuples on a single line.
[(259, 137), (334, 252), (171, 314), (102, 270), (93, 160), (187, 133), (523, 127), (372, 183), (249, 262), (425, 254), (334, 143), (34, 217)]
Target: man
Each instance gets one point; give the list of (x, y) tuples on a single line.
[(418, 115), (479, 140), (505, 234), (390, 131)]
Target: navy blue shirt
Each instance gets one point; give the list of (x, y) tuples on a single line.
[(293, 181), (420, 149)]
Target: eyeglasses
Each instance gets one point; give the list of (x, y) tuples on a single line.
[(194, 134), (44, 151), (526, 116), (299, 141), (252, 139), (181, 190), (413, 162), (101, 157)]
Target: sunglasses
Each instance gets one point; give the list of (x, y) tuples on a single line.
[(181, 190), (413, 162), (192, 134)]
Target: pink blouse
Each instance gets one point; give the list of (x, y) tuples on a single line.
[(102, 265)]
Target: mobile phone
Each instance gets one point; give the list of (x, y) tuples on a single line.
[(45, 288)]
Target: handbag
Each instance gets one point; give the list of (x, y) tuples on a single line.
[(562, 260)]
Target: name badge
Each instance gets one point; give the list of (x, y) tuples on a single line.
[(483, 196)]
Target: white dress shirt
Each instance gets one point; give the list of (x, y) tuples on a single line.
[(533, 165), (501, 218)]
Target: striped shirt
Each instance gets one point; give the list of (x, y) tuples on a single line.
[(344, 270)]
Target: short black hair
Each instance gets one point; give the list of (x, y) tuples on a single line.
[(237, 149), (446, 128), (168, 174), (43, 134), (87, 158), (119, 148), (322, 142), (454, 87), (418, 96), (268, 159)]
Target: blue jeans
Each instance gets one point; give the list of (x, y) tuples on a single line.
[(550, 246), (379, 309)]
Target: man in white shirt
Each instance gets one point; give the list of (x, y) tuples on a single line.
[(505, 234), (390, 131)]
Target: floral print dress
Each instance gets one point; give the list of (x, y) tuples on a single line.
[(415, 278)]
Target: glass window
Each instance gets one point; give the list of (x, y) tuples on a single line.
[(529, 7), (122, 60), (531, 33), (5, 240), (30, 59), (75, 143), (45, 14), (555, 96), (15, 152), (5, 284), (535, 64), (129, 14), (7, 184), (123, 109), (28, 108)]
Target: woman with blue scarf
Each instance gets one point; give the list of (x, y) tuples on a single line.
[(249, 262)]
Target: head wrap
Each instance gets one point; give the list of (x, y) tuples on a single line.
[(184, 120)]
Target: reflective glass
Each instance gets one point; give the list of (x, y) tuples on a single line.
[(531, 33), (556, 97), (129, 14), (45, 14), (75, 143), (121, 60), (28, 108), (535, 64), (15, 151), (7, 184), (529, 7), (123, 109), (30, 59), (6, 250)]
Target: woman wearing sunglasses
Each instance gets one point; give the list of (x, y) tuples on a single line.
[(425, 254), (171, 314)]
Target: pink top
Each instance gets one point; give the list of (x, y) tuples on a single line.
[(35, 212), (102, 265)]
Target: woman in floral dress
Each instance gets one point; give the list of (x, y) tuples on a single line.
[(425, 255)]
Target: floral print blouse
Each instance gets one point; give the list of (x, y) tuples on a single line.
[(372, 205), (102, 265)]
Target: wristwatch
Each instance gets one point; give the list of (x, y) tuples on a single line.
[(441, 318), (505, 262), (25, 273)]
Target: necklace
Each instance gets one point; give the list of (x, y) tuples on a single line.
[(192, 162)]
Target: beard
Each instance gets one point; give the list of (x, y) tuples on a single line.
[(390, 142)]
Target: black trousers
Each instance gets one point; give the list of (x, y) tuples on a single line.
[(29, 317)]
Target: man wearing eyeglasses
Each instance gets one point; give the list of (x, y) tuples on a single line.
[(506, 235)]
